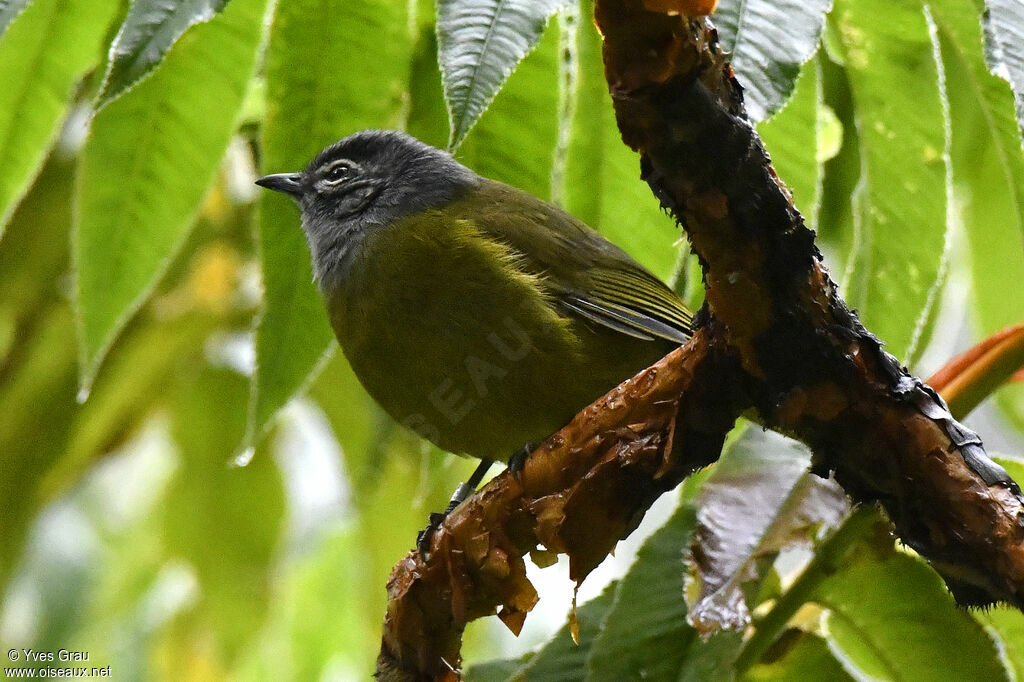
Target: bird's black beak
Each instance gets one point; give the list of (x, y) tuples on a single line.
[(288, 183)]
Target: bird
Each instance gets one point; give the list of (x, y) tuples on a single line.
[(479, 316)]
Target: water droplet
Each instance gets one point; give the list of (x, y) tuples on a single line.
[(244, 457)]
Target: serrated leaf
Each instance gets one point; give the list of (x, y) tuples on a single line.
[(770, 41), (148, 161), (759, 498), (9, 11), (498, 148), (602, 185), (988, 175), (317, 92), (645, 633), (480, 43), (893, 618), (1004, 33), (561, 659), (42, 57), (148, 32), (900, 220)]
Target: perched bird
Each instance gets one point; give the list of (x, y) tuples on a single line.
[(477, 315)]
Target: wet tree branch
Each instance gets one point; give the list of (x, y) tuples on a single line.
[(774, 336)]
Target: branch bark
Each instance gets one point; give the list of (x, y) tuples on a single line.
[(579, 493), (812, 370), (774, 335)]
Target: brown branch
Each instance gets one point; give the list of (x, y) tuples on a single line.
[(774, 335), (578, 493), (813, 371)]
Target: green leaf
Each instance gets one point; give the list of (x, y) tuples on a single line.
[(148, 32), (793, 136), (645, 633), (900, 221), (9, 11), (805, 657), (770, 40), (497, 670), (498, 148), (357, 421), (759, 498), (988, 168), (892, 618), (602, 185), (835, 223), (317, 92), (713, 659), (480, 43), (42, 57), (988, 175), (40, 383), (38, 368), (225, 521), (1004, 39), (147, 164), (1008, 624), (428, 118), (561, 659)]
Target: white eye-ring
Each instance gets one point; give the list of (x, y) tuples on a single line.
[(341, 170)]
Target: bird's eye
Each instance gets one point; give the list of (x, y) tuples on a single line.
[(339, 172)]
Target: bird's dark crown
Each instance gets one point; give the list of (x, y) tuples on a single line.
[(366, 181), (386, 170)]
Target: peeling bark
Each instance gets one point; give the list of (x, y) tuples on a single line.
[(774, 335)]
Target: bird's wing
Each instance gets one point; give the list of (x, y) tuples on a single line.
[(589, 276), (633, 302)]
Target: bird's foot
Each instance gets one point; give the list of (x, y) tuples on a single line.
[(461, 494), (518, 459)]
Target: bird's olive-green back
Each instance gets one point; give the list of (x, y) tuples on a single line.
[(489, 322)]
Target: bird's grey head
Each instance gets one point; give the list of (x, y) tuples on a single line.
[(365, 181)]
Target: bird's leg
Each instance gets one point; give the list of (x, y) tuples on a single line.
[(458, 497), (518, 459)]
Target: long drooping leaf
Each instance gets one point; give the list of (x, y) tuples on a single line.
[(42, 57), (988, 177), (900, 220), (770, 41), (480, 42), (1004, 33), (316, 94), (147, 164), (148, 32)]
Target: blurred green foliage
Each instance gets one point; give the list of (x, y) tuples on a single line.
[(193, 485)]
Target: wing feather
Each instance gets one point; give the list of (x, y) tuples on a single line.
[(587, 274)]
